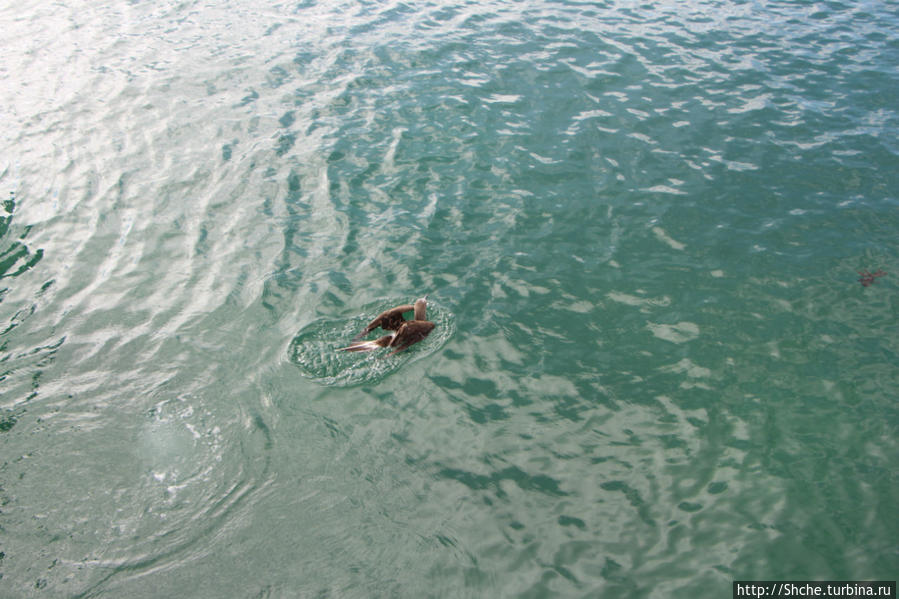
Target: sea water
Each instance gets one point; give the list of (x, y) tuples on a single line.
[(641, 226)]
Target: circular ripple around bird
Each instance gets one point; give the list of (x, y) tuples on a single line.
[(314, 348)]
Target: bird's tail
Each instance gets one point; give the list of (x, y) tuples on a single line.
[(368, 345)]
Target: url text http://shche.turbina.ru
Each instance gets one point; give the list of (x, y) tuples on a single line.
[(883, 589)]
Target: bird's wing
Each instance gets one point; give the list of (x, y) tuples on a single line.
[(410, 333), (392, 320), (389, 320)]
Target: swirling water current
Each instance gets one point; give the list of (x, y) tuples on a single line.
[(641, 224)]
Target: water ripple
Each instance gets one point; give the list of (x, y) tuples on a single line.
[(649, 215), (314, 348)]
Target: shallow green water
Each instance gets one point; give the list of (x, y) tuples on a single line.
[(656, 370)]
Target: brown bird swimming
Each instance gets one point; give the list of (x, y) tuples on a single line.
[(406, 332)]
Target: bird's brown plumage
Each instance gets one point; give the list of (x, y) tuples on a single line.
[(407, 332), (389, 320), (410, 333)]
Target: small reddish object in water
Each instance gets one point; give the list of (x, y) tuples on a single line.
[(868, 278)]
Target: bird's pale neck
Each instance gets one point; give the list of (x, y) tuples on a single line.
[(421, 308)]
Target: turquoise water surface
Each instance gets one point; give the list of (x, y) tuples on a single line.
[(641, 227)]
